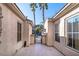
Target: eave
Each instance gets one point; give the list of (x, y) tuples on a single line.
[(67, 9), (13, 7)]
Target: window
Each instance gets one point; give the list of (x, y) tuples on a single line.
[(18, 31), (73, 31), (57, 38), (0, 21)]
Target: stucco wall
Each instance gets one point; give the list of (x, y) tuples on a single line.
[(46, 26), (26, 32), (32, 39), (8, 38), (50, 34), (44, 38), (30, 32)]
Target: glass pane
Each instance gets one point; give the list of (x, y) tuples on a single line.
[(69, 39), (78, 26), (76, 41), (69, 25), (56, 28), (57, 38), (75, 24)]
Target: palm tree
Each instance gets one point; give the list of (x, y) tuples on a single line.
[(33, 7), (43, 7)]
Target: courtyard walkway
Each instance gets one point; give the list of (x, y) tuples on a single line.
[(38, 50)]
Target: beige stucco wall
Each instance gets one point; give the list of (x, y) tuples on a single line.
[(46, 26), (26, 33), (44, 35), (8, 38), (62, 45), (44, 38), (32, 39), (49, 26), (30, 33), (50, 34)]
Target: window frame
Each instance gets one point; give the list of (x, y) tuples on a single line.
[(19, 31), (65, 30), (57, 32)]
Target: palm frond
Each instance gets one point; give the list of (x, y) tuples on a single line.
[(46, 6), (40, 5), (33, 6)]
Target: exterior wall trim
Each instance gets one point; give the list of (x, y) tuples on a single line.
[(62, 9), (29, 21)]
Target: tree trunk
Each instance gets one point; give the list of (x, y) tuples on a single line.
[(43, 15), (34, 27), (34, 18)]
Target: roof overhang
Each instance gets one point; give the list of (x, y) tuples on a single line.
[(67, 9), (29, 21), (16, 10)]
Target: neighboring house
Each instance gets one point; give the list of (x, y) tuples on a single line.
[(27, 32), (63, 30), (30, 35), (48, 34), (14, 29), (46, 26)]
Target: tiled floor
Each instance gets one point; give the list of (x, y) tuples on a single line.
[(38, 50)]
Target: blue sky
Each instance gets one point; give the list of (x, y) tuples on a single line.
[(53, 8)]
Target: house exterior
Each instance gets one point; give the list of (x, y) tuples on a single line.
[(14, 29), (29, 32), (63, 30), (48, 34)]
